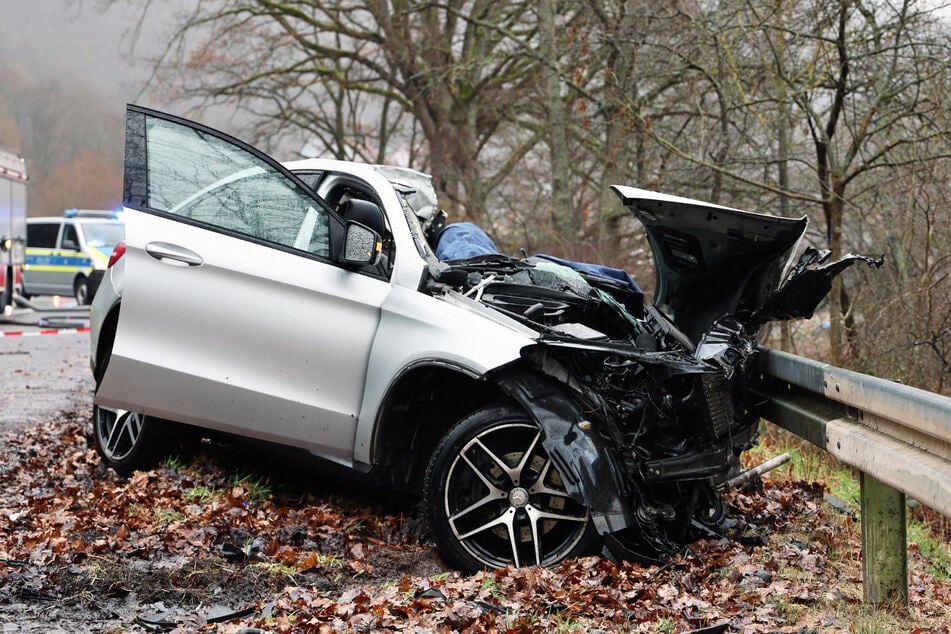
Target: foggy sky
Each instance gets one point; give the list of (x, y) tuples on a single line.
[(75, 42)]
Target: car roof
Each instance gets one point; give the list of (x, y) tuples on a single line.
[(392, 173), (51, 219), (407, 181)]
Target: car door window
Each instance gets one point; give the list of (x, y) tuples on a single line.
[(263, 206), (195, 175), (70, 239), (42, 235)]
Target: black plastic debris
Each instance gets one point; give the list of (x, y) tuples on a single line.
[(431, 593), (158, 623), (490, 607), (836, 503), (752, 540), (232, 553), (711, 629), (221, 614), (32, 594)]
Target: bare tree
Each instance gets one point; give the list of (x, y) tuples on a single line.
[(852, 74), (52, 125), (370, 79), (556, 120), (526, 112), (89, 180), (9, 132), (904, 324)]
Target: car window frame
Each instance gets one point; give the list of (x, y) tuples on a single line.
[(42, 223), (62, 237), (134, 197)]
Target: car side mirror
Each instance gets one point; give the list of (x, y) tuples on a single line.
[(362, 247), (69, 245)]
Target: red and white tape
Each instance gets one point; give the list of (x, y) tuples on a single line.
[(49, 331)]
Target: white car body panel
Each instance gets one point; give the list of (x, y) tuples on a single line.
[(276, 346), (227, 332), (418, 329), (263, 299)]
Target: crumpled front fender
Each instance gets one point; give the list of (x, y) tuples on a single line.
[(591, 476)]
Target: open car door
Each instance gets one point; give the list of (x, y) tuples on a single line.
[(234, 314)]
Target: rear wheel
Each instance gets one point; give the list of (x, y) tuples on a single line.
[(495, 498), (129, 441), (81, 290)]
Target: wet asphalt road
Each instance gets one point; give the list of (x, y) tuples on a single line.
[(41, 375)]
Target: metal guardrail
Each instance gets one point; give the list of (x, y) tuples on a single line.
[(898, 437)]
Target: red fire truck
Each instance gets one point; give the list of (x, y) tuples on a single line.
[(12, 223)]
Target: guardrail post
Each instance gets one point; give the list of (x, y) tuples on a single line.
[(884, 543)]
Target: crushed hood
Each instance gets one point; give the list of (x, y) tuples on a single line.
[(711, 260)]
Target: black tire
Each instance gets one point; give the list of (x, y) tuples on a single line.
[(81, 291), (129, 441), (493, 496)]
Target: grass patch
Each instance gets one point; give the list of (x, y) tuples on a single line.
[(281, 570), (167, 516), (935, 551), (665, 625), (200, 494), (811, 464), (864, 619), (174, 463), (258, 491), (489, 583)]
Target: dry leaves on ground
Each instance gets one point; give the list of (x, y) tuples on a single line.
[(204, 534)]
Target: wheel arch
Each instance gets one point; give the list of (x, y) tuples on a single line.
[(419, 408), (427, 399), (105, 341)]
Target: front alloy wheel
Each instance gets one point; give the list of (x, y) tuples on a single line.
[(494, 497)]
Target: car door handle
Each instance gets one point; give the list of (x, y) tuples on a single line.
[(173, 254)]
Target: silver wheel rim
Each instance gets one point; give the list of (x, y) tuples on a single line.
[(505, 502), (118, 431)]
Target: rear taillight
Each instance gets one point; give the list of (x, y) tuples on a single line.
[(117, 253)]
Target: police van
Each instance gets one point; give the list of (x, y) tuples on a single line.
[(68, 255)]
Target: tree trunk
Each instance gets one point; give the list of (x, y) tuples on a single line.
[(566, 224), (836, 345)]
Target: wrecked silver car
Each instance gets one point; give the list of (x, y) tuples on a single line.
[(539, 407)]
